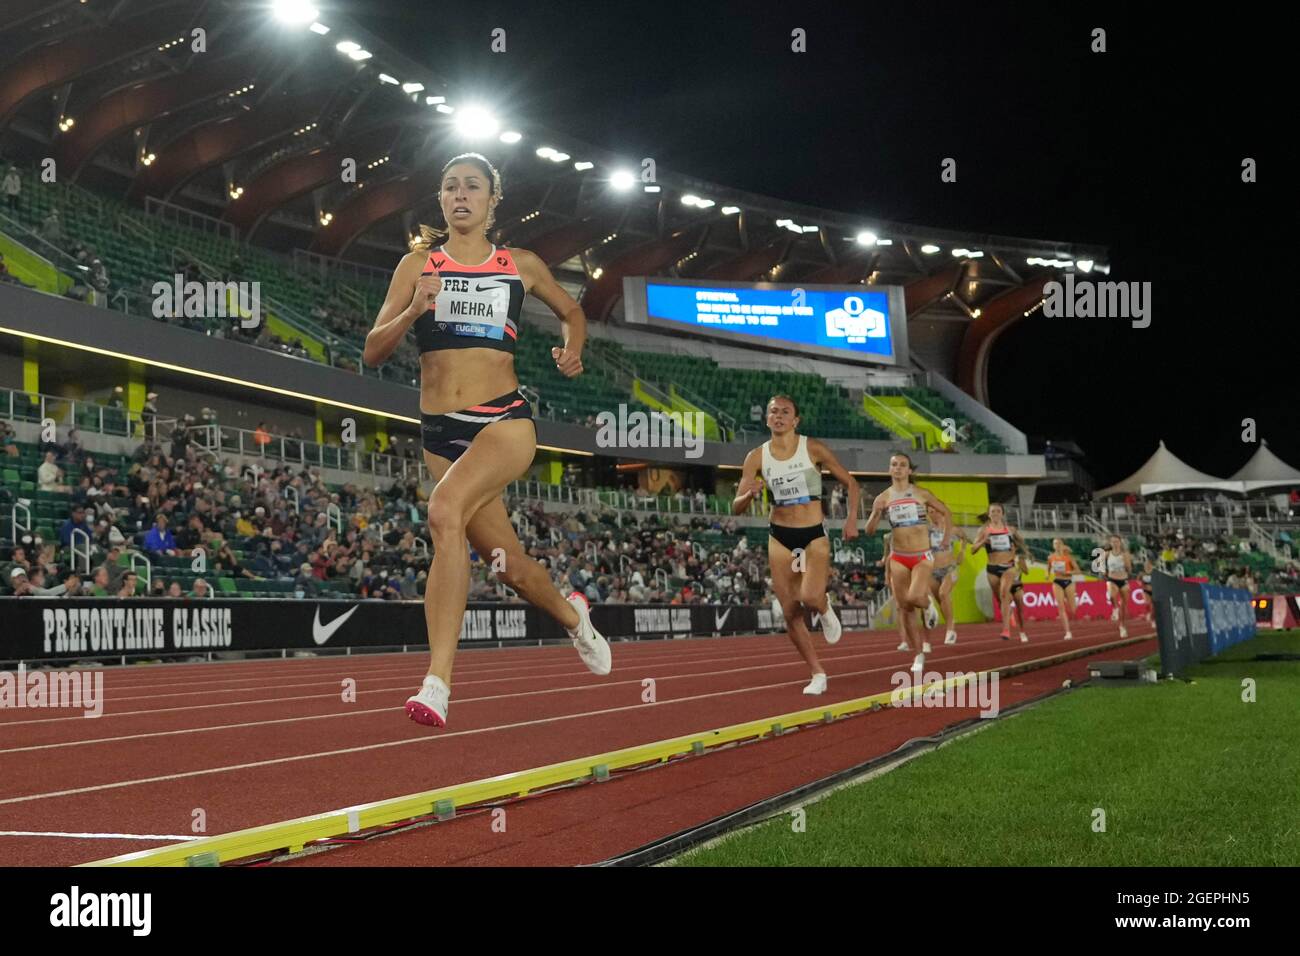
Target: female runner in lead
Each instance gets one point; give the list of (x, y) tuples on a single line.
[(798, 550), (463, 297), (910, 560)]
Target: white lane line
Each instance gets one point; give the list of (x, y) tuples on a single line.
[(416, 740), (97, 836), (834, 656), (390, 669), (329, 665), (573, 669), (830, 656)]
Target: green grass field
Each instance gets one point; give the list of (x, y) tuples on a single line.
[(1187, 773)]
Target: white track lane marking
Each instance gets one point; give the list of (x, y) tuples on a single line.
[(518, 660), (410, 740), (572, 669), (835, 656)]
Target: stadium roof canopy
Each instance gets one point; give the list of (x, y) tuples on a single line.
[(1163, 472), (1266, 470), (252, 131)]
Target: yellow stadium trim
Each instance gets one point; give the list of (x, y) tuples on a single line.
[(293, 835)]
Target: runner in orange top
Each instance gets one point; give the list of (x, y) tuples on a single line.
[(1062, 567)]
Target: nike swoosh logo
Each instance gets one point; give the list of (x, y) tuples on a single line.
[(322, 634), (718, 621), (485, 288)]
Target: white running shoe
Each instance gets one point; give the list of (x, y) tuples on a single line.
[(1114, 614), (592, 647), (831, 628), (1069, 636), (951, 638), (817, 685), (925, 647), (429, 706), (931, 617), (1024, 638), (1122, 631), (918, 663), (904, 646)]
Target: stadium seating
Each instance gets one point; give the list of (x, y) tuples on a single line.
[(139, 250)]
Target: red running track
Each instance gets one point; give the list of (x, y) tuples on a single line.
[(252, 743)]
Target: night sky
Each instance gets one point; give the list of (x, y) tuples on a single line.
[(1138, 148)]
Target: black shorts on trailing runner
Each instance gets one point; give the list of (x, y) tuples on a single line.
[(1062, 583), (794, 538), (450, 435), (997, 570)]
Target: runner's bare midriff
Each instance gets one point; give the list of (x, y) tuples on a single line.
[(798, 516), (912, 540), (455, 379)]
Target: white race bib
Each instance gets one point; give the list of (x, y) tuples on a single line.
[(471, 306), (790, 489)]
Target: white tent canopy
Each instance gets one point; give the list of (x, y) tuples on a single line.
[(1165, 471), (1266, 470)]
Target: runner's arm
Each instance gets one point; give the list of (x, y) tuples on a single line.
[(1023, 548), (749, 484), (873, 520), (946, 514), (821, 455), (399, 311), (573, 321)]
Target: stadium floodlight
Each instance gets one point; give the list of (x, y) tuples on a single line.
[(690, 200), (545, 152), (650, 188), (294, 11), (412, 87), (474, 122), (385, 78), (866, 238), (977, 313), (558, 157), (706, 204), (432, 100), (785, 222), (583, 166), (320, 28), (598, 273), (359, 55), (884, 242), (730, 210), (930, 248), (811, 228), (444, 108), (1085, 265), (511, 136), (622, 179), (347, 46)]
